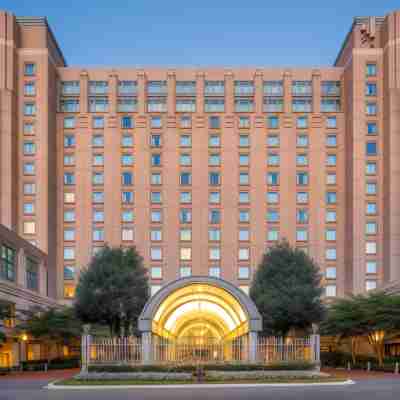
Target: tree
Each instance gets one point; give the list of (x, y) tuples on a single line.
[(345, 319), (113, 290), (50, 325), (5, 313), (287, 290)]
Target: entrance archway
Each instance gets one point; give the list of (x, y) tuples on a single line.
[(199, 313)]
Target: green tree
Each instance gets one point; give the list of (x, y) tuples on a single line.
[(113, 290), (287, 290), (50, 325), (345, 319)]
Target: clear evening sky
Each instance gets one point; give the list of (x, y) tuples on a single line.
[(200, 32)]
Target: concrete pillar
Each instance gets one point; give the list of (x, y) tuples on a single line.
[(113, 92), (316, 91), (147, 348), (21, 268), (315, 350), (85, 348), (253, 339), (229, 93), (200, 77), (83, 99), (259, 92), (141, 92), (171, 84), (287, 91)]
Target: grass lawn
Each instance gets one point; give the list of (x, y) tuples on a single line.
[(76, 382)]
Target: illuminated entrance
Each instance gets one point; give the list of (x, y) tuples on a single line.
[(199, 317)]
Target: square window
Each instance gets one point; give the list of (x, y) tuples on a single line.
[(372, 128), (330, 216), (98, 122), (214, 122), (330, 290), (185, 160), (273, 159), (243, 159), (302, 122), (185, 271), (330, 272), (244, 216), (155, 197), (272, 235), (185, 235), (273, 141), (185, 141), (371, 108), (185, 197), (185, 253), (156, 178), (244, 235), (370, 168), (244, 197), (331, 122), (371, 228), (301, 235), (29, 69), (127, 215), (214, 271), (244, 272), (370, 248), (214, 216), (244, 122), (185, 216), (371, 149), (371, 208), (302, 141), (302, 215), (126, 140), (156, 272), (156, 235), (331, 160), (272, 197), (156, 253), (69, 253), (156, 216), (69, 197), (29, 227), (331, 179), (214, 235), (330, 254), (273, 178), (370, 285), (214, 253), (371, 267), (155, 122), (331, 141), (273, 122), (69, 122), (330, 234), (214, 197), (214, 141), (185, 121), (370, 188), (127, 197), (244, 141), (127, 234)]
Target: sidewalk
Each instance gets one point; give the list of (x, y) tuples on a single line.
[(41, 375), (360, 375)]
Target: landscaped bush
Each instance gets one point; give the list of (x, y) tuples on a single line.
[(56, 363), (4, 370), (294, 366)]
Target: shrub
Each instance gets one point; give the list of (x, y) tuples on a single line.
[(56, 363)]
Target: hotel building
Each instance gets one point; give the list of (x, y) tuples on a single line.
[(203, 169)]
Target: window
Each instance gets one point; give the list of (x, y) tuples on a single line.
[(156, 235), (302, 216), (273, 104), (156, 216), (244, 216), (185, 271), (98, 141), (244, 272), (127, 216), (214, 253), (273, 178), (272, 234), (185, 197), (272, 215), (370, 285), (156, 160), (69, 234), (214, 216), (98, 178), (370, 188), (371, 267), (302, 141), (98, 122), (29, 227), (330, 105), (155, 197), (273, 88), (301, 105), (301, 122), (214, 271), (330, 216), (214, 122), (69, 140), (214, 178), (331, 198), (244, 122), (371, 108), (186, 121), (29, 148), (127, 104), (185, 215), (157, 87), (244, 197), (214, 87), (214, 141), (330, 254), (302, 178), (331, 122), (29, 128), (371, 208), (243, 178), (156, 272), (370, 89), (244, 105), (69, 178), (185, 105), (243, 88), (302, 88), (126, 140), (371, 228), (244, 254), (185, 253), (370, 248), (185, 160), (155, 122), (29, 208), (302, 197), (29, 168), (214, 235), (330, 234), (69, 216), (69, 272), (156, 253), (330, 290), (244, 141), (301, 160), (98, 197), (69, 253), (272, 197), (371, 149), (29, 109), (98, 159), (370, 70), (370, 168), (8, 263), (214, 105), (372, 128), (29, 188), (127, 159), (32, 274), (244, 235), (98, 234), (214, 197), (214, 159), (155, 140), (243, 159), (185, 87), (29, 69), (301, 235), (69, 105), (98, 87), (330, 272), (185, 141), (273, 159), (127, 122), (98, 104), (331, 179), (185, 235), (331, 141), (156, 178), (29, 89), (273, 122), (98, 216)]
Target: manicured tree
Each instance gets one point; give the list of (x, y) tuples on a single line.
[(50, 325), (287, 290), (113, 290), (345, 319)]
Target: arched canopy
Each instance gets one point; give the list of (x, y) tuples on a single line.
[(200, 306)]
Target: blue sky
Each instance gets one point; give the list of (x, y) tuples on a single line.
[(200, 32)]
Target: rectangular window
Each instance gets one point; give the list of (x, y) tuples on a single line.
[(98, 104), (243, 159), (98, 234), (244, 122), (371, 108), (98, 197), (69, 105), (185, 235), (69, 253), (244, 197), (243, 178), (302, 178), (330, 234), (330, 273), (372, 128), (156, 272), (272, 215), (70, 88), (156, 160), (185, 141), (156, 235), (370, 188), (127, 216), (330, 88), (302, 122), (32, 274), (155, 122), (330, 254), (273, 159), (98, 216), (98, 141), (186, 105), (185, 216), (371, 149), (214, 178), (29, 89), (98, 87), (370, 168), (214, 122), (273, 104), (127, 140), (330, 216), (29, 109), (370, 89), (156, 253), (370, 248), (156, 178), (331, 198), (331, 122), (8, 263), (185, 271), (29, 148), (186, 121), (214, 253), (214, 271), (302, 88), (127, 159), (301, 235), (331, 160), (302, 141), (272, 235), (330, 290), (127, 104), (302, 198), (272, 122), (273, 178), (185, 197), (243, 88), (158, 104), (155, 197), (127, 88), (214, 141), (244, 105), (330, 105), (331, 141), (370, 285), (69, 216), (214, 88), (244, 216), (244, 141), (98, 178), (69, 272), (244, 235), (214, 216), (273, 88), (156, 216), (158, 88), (69, 178), (185, 253), (302, 216), (214, 197), (302, 105), (244, 254), (98, 122), (371, 267), (370, 70), (30, 69), (185, 88), (371, 228), (127, 122)]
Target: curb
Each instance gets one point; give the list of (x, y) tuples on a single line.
[(53, 386)]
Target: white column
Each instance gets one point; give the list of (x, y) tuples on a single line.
[(253, 339), (85, 349), (147, 350), (315, 350)]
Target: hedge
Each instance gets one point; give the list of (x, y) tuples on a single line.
[(294, 366), (56, 363)]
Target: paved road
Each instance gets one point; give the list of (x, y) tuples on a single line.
[(32, 389)]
